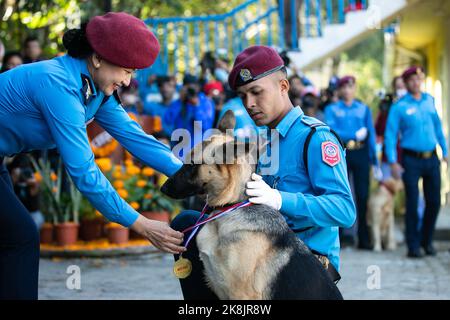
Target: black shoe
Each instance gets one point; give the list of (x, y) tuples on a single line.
[(429, 250), (347, 241), (365, 246), (414, 253)]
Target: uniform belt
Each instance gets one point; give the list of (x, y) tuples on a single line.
[(354, 145), (328, 266), (420, 155)]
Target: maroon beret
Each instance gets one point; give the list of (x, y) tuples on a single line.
[(252, 64), (346, 80), (411, 71), (123, 40)]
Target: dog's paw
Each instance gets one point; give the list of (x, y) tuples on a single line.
[(377, 248)]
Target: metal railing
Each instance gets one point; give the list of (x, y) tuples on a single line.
[(184, 40)]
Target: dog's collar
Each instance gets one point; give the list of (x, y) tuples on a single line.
[(224, 208), (390, 189)]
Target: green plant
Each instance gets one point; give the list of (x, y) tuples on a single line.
[(59, 204)]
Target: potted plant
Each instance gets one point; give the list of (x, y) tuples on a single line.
[(63, 206), (117, 234), (91, 222)]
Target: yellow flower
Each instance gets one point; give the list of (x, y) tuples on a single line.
[(123, 193), (141, 183), (117, 175), (53, 176), (133, 170), (113, 225), (38, 177), (134, 205), (118, 184), (129, 163), (104, 164), (148, 172)]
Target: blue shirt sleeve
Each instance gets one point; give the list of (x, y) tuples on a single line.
[(391, 133), (331, 204), (65, 117), (114, 119)]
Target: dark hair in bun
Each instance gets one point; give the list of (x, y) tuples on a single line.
[(76, 42)]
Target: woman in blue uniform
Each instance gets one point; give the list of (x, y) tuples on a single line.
[(48, 104)]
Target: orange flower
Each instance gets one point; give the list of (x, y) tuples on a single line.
[(148, 196), (104, 164), (123, 193), (113, 225), (129, 163), (117, 175), (148, 172), (134, 205), (141, 183), (98, 213), (38, 177), (118, 184), (55, 189), (133, 170), (53, 176)]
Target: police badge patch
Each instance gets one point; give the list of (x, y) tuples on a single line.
[(330, 153), (245, 75)]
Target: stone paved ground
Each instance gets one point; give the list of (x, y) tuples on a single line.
[(150, 276)]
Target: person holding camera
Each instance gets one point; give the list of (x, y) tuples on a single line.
[(193, 111)]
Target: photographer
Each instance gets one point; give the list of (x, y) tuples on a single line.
[(193, 111)]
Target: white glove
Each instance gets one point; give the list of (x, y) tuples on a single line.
[(361, 134), (377, 173), (261, 193)]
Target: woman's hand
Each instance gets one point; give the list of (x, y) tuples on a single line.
[(159, 234)]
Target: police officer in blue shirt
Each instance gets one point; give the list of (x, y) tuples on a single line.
[(307, 183), (47, 104), (414, 118), (352, 120)]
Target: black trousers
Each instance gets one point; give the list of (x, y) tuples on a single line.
[(194, 287), (429, 171), (358, 165), (19, 245)]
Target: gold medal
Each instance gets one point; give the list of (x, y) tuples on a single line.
[(182, 268)]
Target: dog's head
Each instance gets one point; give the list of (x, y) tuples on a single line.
[(218, 167)]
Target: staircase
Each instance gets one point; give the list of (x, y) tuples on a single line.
[(326, 28)]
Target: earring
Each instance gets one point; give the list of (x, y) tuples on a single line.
[(97, 65)]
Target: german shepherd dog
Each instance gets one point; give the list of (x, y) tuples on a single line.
[(250, 253)]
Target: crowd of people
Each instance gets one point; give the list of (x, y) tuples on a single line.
[(199, 102)]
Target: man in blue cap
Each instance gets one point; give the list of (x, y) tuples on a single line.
[(414, 118)]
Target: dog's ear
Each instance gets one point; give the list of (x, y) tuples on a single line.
[(228, 121)]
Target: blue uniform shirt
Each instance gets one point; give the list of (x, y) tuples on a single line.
[(177, 118), (42, 106), (346, 120), (245, 126), (418, 124), (322, 199)]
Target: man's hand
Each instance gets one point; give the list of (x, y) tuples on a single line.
[(261, 193), (159, 234), (396, 170), (377, 173), (361, 134)]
